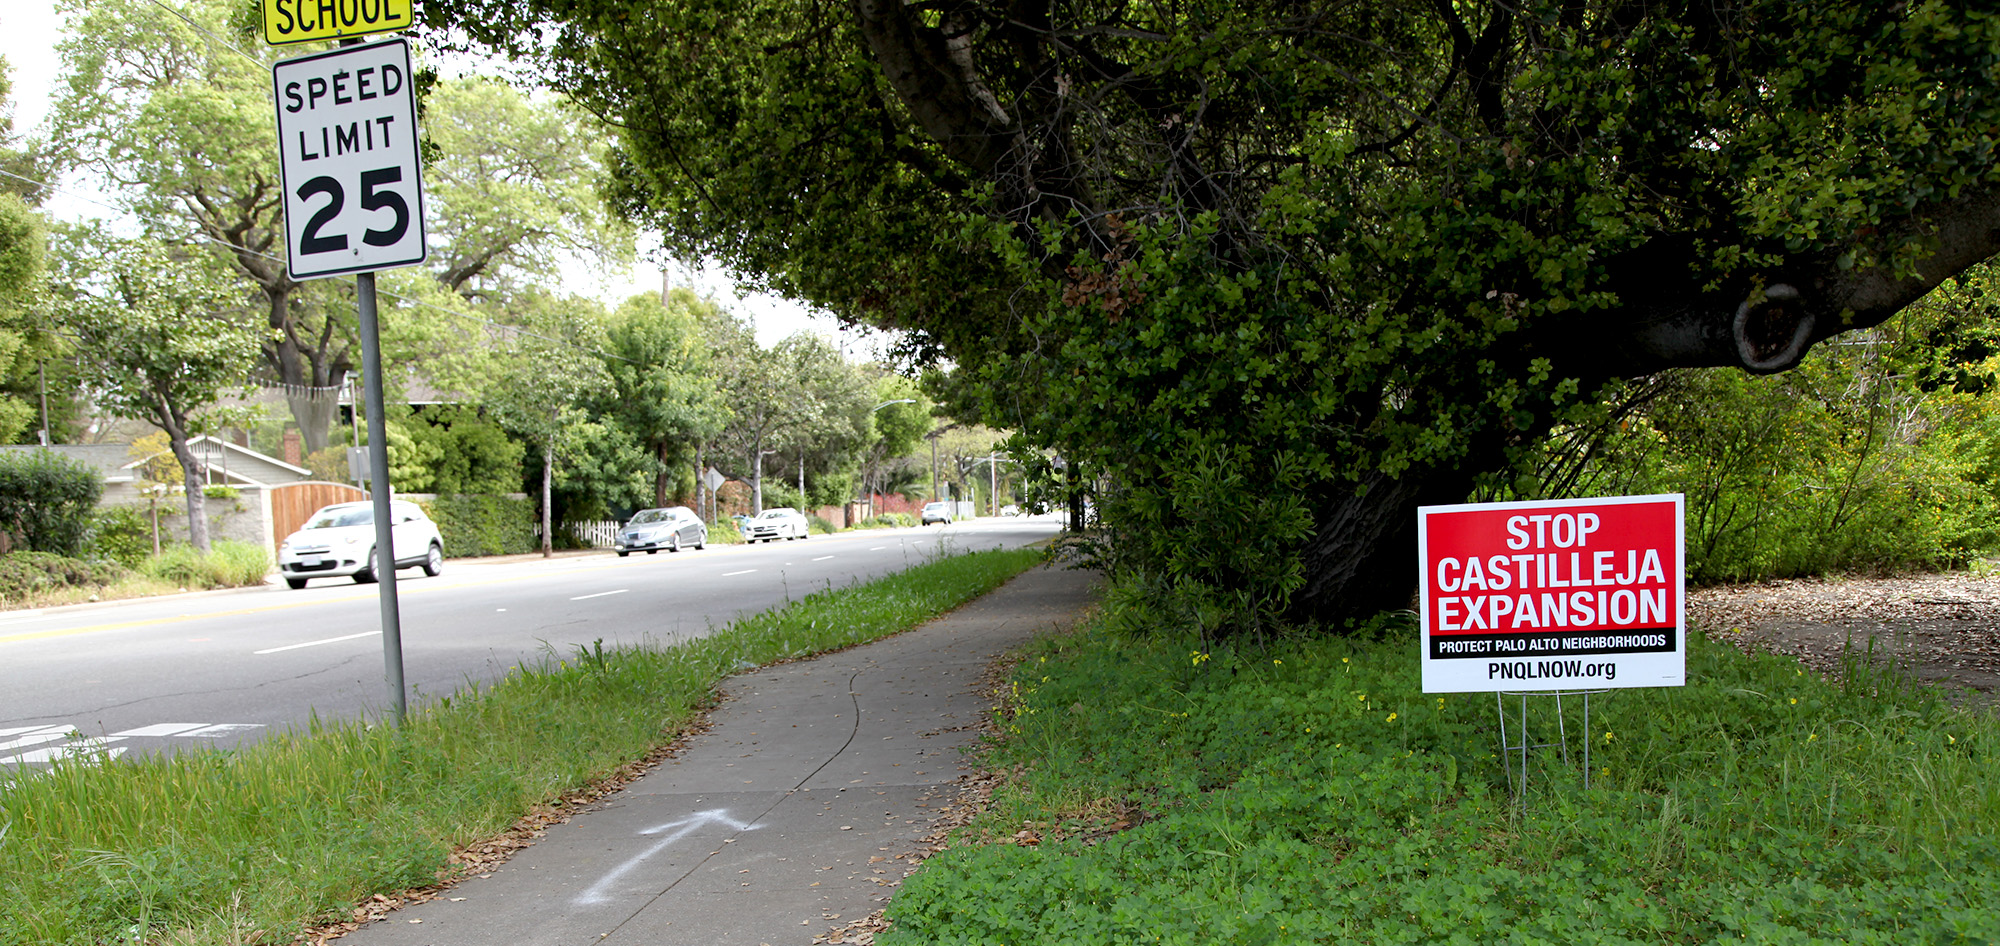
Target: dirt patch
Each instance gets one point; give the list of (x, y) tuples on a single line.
[(1943, 629)]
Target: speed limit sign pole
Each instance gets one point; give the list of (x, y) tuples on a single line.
[(354, 203)]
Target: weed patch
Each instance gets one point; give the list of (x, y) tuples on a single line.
[(1310, 792)]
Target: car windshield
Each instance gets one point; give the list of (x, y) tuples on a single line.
[(775, 514), (650, 515), (334, 518)]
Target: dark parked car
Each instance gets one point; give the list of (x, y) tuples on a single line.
[(670, 528)]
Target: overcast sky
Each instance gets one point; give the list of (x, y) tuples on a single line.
[(30, 29)]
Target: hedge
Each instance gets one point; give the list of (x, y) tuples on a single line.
[(46, 500), (483, 524)]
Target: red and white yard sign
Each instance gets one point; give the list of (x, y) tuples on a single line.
[(1559, 595)]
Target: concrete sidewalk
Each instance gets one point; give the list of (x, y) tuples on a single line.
[(780, 822)]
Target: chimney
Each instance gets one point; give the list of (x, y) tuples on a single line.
[(292, 450)]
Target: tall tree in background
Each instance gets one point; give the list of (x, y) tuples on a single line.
[(180, 121), (898, 429), (177, 113), (25, 341), (159, 334), (1382, 247), (662, 391), (511, 185), (535, 379)]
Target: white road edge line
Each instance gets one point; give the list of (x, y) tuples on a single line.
[(878, 548), (600, 594), (733, 574), (330, 640), (822, 558)]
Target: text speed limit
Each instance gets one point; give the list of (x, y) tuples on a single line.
[(347, 143)]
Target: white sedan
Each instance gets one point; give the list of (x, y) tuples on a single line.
[(339, 540), (771, 525)]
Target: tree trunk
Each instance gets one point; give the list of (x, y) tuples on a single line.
[(659, 479), (756, 479), (193, 474)]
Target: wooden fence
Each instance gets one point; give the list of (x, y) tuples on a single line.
[(294, 503)]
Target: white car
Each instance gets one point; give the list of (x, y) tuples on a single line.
[(940, 511), (771, 525), (339, 541), (670, 528)]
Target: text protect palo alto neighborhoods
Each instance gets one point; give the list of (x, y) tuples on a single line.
[(1521, 594)]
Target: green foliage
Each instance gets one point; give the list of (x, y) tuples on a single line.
[(181, 844), (123, 534), (1311, 792), (819, 526), (725, 533), (25, 345), (890, 520), (46, 500), (1882, 453), (228, 564), (662, 400), (1221, 553), (474, 524), (23, 573), (469, 454), (1390, 241)]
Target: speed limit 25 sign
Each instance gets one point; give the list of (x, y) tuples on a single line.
[(347, 149)]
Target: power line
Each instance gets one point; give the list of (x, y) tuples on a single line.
[(197, 27)]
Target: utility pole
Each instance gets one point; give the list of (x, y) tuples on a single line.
[(42, 375)]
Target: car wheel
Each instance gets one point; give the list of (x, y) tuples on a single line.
[(674, 542), (296, 583), (367, 572), (433, 561), (701, 541)]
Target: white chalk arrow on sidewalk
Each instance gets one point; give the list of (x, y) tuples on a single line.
[(669, 833)]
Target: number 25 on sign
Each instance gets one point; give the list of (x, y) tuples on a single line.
[(347, 146)]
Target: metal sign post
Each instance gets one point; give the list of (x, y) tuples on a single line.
[(353, 191), (378, 481)]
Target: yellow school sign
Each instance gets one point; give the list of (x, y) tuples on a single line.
[(303, 21)]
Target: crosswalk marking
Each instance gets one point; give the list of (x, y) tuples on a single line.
[(41, 745)]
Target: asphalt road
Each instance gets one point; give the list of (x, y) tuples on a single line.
[(221, 669)]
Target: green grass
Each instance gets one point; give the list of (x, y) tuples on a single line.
[(229, 564), (252, 845), (1311, 793)]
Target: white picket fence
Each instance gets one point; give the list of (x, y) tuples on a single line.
[(602, 534)]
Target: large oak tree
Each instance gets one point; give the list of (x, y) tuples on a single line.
[(1367, 248)]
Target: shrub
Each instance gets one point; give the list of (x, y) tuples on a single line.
[(22, 573), (122, 534), (229, 564), (725, 532), (890, 520), (821, 526), (46, 500), (484, 524)]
